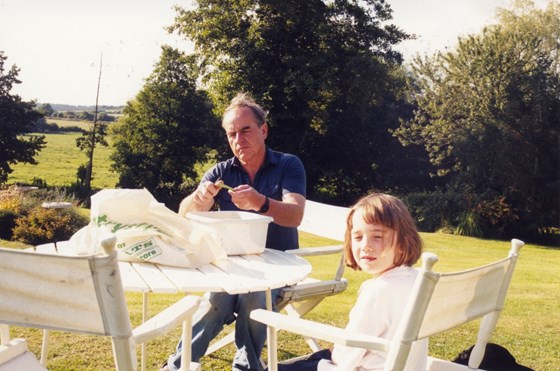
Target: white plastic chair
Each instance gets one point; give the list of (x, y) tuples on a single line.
[(325, 221), (439, 302), (81, 294)]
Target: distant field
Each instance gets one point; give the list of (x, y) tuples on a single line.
[(58, 162), (85, 125)]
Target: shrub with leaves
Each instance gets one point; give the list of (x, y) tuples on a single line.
[(7, 223), (11, 199), (47, 225)]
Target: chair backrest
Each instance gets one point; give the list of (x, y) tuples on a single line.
[(69, 293), (442, 301), (324, 220)]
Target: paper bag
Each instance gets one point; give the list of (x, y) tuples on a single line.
[(146, 231)]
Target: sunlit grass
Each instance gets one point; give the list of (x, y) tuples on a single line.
[(58, 164), (528, 326)]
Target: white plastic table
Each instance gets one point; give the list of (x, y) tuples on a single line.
[(234, 275)]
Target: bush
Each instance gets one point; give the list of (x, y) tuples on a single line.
[(432, 211), (7, 223), (23, 218), (11, 199), (469, 224), (47, 225)]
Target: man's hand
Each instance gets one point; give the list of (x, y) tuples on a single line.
[(246, 197), (205, 193), (202, 199)]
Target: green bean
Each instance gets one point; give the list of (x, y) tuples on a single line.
[(223, 185)]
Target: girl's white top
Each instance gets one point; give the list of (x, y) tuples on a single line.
[(378, 309)]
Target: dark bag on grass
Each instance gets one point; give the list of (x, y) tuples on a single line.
[(496, 358)]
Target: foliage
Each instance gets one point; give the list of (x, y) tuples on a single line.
[(32, 224), (45, 109), (87, 143), (11, 199), (47, 225), (469, 224), (487, 114), (524, 18), (16, 118), (98, 137), (165, 130), (7, 223), (327, 73), (432, 210)]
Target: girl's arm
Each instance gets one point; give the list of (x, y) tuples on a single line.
[(370, 315)]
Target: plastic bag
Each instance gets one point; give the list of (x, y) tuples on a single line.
[(146, 230)]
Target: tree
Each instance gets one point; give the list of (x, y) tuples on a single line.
[(487, 114), (165, 131), (46, 109), (16, 119), (523, 17), (325, 70), (88, 141)]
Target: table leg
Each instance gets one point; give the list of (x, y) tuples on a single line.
[(271, 336), (144, 319)]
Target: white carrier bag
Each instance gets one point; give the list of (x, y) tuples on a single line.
[(146, 230)]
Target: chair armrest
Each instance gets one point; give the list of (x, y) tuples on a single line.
[(318, 330), (321, 250), (166, 320), (307, 289), (12, 349)]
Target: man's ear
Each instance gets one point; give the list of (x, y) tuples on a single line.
[(264, 128)]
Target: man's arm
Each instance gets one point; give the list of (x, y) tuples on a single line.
[(287, 213)]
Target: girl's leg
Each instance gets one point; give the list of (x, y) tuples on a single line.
[(308, 364)]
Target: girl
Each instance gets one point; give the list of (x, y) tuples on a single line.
[(382, 240)]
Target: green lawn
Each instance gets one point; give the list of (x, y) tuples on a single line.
[(528, 326), (58, 164)]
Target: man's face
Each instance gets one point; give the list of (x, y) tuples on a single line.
[(245, 137)]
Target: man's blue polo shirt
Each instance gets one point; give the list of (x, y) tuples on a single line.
[(281, 173)]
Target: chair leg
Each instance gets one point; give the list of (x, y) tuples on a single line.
[(124, 353), (226, 340), (186, 338), (484, 334), (144, 346), (313, 343), (45, 348), (4, 334)]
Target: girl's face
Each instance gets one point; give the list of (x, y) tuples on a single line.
[(372, 245)]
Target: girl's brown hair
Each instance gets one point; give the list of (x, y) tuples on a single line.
[(390, 212)]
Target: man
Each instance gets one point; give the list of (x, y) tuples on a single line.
[(267, 182)]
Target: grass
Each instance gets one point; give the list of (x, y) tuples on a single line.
[(58, 164), (528, 326), (84, 125)]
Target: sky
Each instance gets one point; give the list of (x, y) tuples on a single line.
[(59, 45)]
